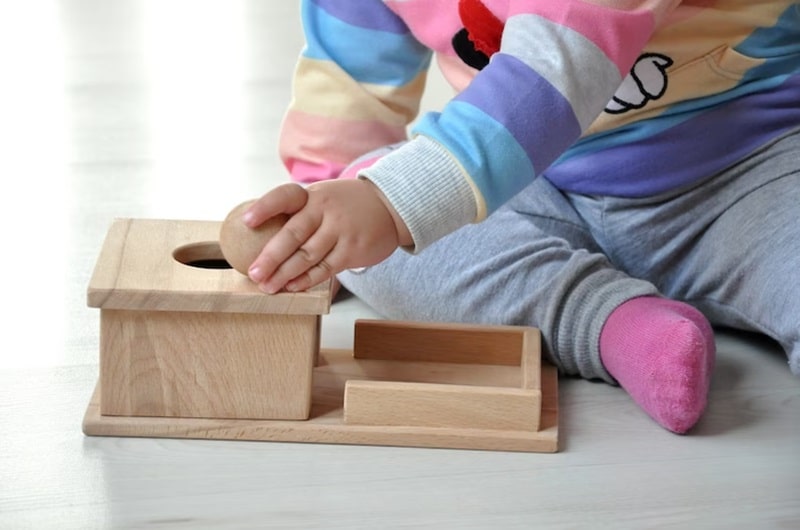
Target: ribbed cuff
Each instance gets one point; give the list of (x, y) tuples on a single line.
[(427, 188)]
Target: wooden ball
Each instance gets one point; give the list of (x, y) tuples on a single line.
[(240, 244)]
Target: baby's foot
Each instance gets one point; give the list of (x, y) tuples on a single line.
[(662, 353)]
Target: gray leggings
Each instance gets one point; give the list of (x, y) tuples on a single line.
[(562, 262)]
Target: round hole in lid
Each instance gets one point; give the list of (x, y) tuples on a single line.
[(206, 255)]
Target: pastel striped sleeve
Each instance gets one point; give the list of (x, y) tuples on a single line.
[(559, 64), (357, 86)]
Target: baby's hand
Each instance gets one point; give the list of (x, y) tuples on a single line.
[(334, 225)]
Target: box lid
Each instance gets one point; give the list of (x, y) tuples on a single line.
[(153, 264)]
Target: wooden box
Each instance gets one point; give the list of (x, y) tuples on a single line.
[(192, 350), (183, 335)]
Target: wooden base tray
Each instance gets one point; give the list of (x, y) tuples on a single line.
[(327, 422)]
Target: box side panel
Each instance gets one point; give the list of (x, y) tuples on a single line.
[(393, 403), (438, 342), (207, 365)]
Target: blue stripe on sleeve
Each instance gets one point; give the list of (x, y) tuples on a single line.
[(489, 153), (367, 55), (535, 113)]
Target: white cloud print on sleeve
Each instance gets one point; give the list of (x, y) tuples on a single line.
[(647, 81)]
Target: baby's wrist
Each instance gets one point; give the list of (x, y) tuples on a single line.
[(404, 238)]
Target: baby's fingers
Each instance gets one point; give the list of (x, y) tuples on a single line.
[(286, 198), (290, 252), (312, 257), (326, 268)]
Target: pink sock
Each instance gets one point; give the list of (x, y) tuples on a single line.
[(662, 353)]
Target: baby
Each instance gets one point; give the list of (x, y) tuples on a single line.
[(617, 173)]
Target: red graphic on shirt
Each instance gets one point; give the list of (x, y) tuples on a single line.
[(480, 38)]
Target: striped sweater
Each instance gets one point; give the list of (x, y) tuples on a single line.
[(627, 98)]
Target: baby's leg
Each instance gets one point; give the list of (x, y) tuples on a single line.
[(759, 283), (743, 269), (534, 263), (730, 247)]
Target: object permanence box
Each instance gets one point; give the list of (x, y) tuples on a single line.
[(184, 335)]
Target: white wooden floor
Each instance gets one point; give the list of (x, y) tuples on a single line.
[(170, 109)]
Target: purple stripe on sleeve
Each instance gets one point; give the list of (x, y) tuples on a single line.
[(368, 14), (527, 105)]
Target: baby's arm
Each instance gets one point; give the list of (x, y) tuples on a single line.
[(357, 85)]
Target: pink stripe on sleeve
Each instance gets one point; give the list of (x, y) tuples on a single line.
[(437, 31), (312, 147), (307, 172)]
